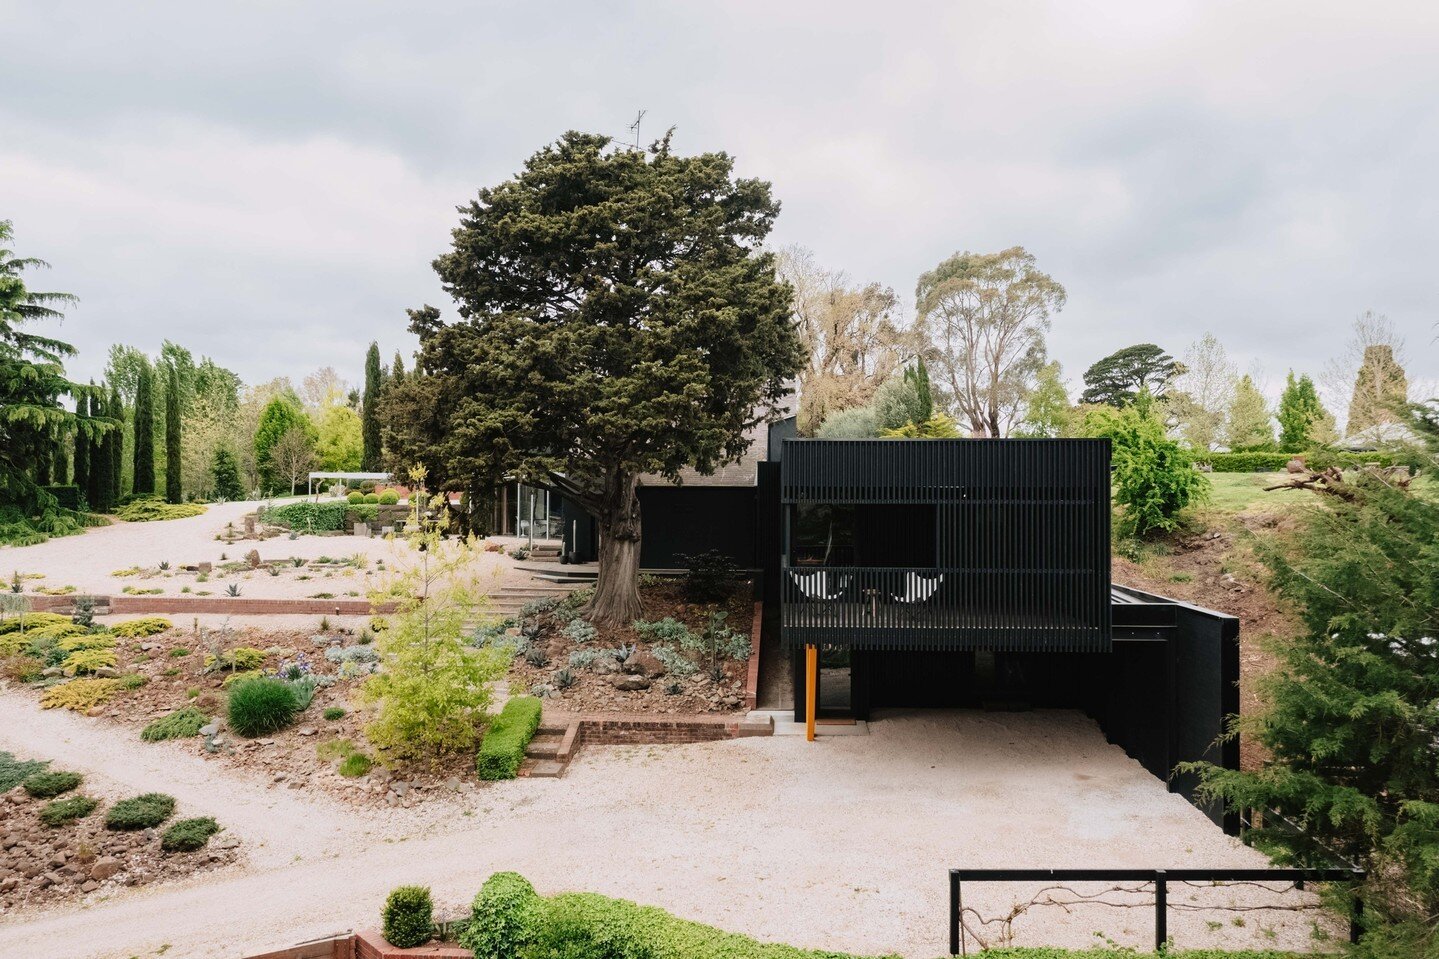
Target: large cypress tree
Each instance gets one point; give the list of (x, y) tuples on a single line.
[(618, 316), (173, 491), (83, 445), (145, 433), (115, 445), (97, 480), (370, 411)]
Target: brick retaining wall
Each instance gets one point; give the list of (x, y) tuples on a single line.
[(231, 605)]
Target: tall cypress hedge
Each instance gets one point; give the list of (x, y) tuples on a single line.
[(145, 432), (173, 491)]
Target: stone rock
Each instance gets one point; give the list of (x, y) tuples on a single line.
[(210, 729), (644, 663), (9, 884), (51, 672), (95, 711), (306, 730), (89, 885), (630, 682), (400, 788), (605, 665), (107, 672), (225, 841), (1296, 465), (105, 868)]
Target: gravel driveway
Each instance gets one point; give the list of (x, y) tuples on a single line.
[(843, 843)]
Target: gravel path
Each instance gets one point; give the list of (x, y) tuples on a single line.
[(87, 561), (842, 844)]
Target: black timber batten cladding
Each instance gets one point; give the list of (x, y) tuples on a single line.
[(990, 544)]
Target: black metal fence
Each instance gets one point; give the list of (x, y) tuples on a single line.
[(1160, 879)]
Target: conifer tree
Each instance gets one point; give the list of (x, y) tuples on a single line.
[(144, 419), (226, 475), (97, 480), (1248, 417), (1302, 418), (370, 410), (83, 445), (173, 490)]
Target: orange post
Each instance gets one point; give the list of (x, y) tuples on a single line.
[(811, 689)]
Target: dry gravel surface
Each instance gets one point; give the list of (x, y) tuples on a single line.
[(843, 843)]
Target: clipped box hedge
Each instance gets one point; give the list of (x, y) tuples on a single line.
[(503, 747), (509, 920), (1262, 462), (320, 517)]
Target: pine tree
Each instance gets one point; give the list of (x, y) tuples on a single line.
[(173, 491), (144, 419), (1248, 424), (397, 372), (370, 410), (1350, 712), (918, 378), (1302, 417)]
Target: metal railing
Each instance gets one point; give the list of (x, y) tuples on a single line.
[(1058, 610), (1158, 878)]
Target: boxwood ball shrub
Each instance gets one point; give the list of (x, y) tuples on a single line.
[(355, 496), (372, 498), (408, 918), (389, 498), (141, 812), (505, 740), (260, 705), (62, 812), (504, 917), (187, 835), (48, 784)]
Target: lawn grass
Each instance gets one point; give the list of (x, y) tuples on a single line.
[(1237, 492)]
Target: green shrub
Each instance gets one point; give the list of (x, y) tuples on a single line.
[(1154, 477), (62, 812), (504, 917), (506, 738), (140, 628), (187, 835), (1323, 459), (181, 724), (46, 785), (355, 496), (389, 498), (317, 517), (333, 713), (261, 705), (147, 510), (68, 497), (241, 659), (408, 918), (372, 498), (141, 812), (355, 765)]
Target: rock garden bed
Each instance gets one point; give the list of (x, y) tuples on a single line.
[(58, 841), (685, 656)]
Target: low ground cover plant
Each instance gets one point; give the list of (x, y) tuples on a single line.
[(187, 835), (62, 812), (15, 771), (141, 628), (407, 919), (146, 510), (80, 695), (44, 785), (181, 724), (503, 747), (145, 811)]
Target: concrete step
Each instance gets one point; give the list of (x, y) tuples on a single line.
[(542, 769), (784, 724), (544, 747), (561, 576)]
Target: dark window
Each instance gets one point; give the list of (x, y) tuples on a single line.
[(823, 535)]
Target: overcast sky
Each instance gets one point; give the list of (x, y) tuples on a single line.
[(267, 183)]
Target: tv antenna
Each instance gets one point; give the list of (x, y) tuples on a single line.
[(635, 127)]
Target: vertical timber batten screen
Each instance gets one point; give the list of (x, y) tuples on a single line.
[(987, 544)]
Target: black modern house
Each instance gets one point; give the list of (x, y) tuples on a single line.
[(967, 573)]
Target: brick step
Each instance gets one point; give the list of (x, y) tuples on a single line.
[(542, 769), (544, 747)]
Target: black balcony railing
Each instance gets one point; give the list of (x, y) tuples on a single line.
[(1057, 610)]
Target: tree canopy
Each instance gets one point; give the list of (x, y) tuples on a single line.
[(618, 317), (988, 314), (1117, 379)]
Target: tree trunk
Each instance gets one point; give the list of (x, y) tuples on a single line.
[(617, 593)]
